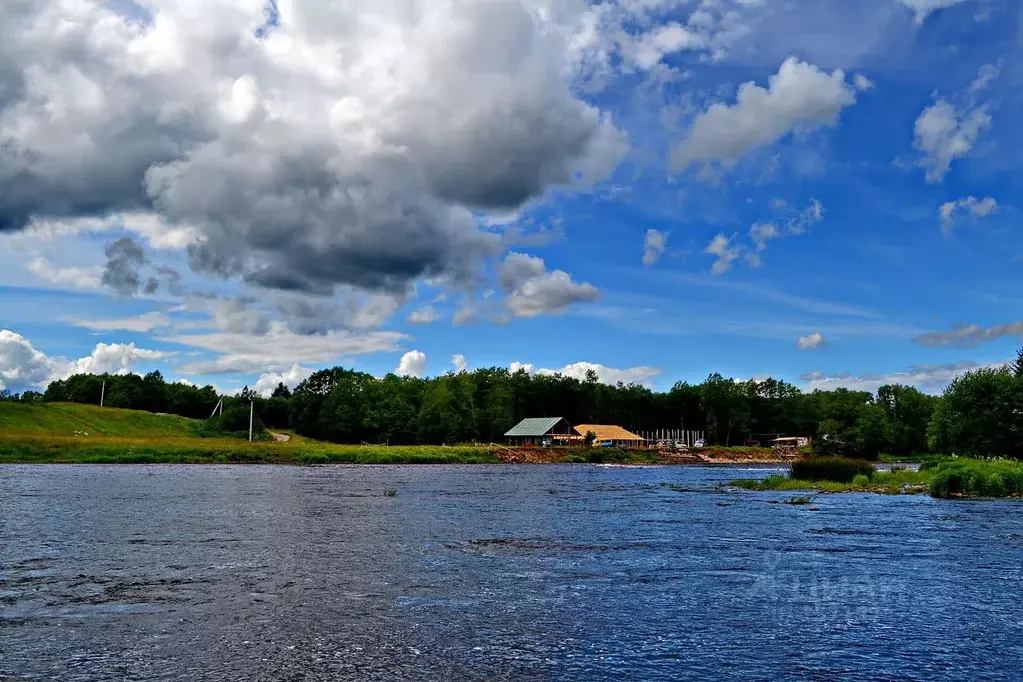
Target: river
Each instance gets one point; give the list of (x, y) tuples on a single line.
[(494, 572)]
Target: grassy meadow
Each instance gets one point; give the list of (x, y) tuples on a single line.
[(88, 434)]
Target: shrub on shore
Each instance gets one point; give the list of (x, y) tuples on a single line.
[(977, 478), (839, 469)]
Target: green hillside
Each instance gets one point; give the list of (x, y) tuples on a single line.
[(73, 433), (67, 419)]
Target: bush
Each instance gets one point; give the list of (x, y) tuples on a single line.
[(234, 422), (861, 480), (600, 455), (977, 478), (838, 469), (237, 419)]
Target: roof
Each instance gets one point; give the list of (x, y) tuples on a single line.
[(788, 438), (607, 432), (534, 426)]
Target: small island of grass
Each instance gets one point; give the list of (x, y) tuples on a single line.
[(948, 478)]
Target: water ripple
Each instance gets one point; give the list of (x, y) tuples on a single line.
[(506, 573)]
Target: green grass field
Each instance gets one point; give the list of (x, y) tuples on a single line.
[(65, 419), (67, 433)]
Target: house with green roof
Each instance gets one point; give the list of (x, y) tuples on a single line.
[(536, 430)]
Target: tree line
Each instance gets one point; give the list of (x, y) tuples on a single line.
[(979, 414)]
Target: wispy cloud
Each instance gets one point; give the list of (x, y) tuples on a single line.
[(146, 322), (927, 378), (279, 349), (969, 335), (978, 208), (763, 291)]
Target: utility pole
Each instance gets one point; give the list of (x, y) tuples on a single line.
[(252, 407), (102, 392)]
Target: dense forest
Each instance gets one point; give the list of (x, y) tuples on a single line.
[(980, 413)]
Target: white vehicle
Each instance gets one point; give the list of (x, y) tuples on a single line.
[(698, 444)]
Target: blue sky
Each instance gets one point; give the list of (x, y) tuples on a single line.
[(657, 190)]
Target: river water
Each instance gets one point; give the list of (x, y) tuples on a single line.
[(494, 572)]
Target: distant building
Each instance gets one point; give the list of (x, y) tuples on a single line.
[(791, 442), (538, 430), (613, 435)]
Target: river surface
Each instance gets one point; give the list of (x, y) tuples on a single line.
[(494, 572)]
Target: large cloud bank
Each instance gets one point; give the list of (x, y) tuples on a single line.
[(302, 144)]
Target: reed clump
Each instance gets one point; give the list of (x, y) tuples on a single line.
[(837, 469)]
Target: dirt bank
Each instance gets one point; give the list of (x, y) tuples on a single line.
[(712, 455)]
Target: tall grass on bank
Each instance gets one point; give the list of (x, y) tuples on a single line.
[(838, 469), (916, 458), (886, 482), (949, 478), (962, 477)]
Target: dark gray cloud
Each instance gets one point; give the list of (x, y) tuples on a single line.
[(294, 179), (171, 279), (125, 258)]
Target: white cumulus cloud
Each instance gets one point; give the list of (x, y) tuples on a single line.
[(811, 341), (752, 246), (533, 290), (862, 83), (23, 366), (726, 252), (268, 381), (113, 358), (459, 362), (800, 97), (605, 375), (412, 364), (654, 244), (520, 367), (943, 134)]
